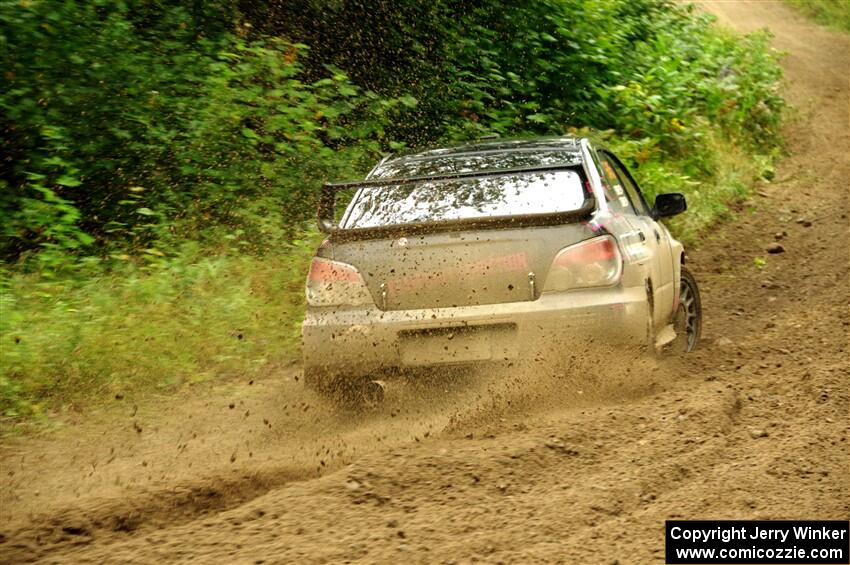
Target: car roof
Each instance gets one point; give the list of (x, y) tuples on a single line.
[(484, 156), (566, 143)]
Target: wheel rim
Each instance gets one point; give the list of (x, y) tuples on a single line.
[(687, 316)]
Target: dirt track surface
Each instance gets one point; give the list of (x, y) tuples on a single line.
[(530, 467)]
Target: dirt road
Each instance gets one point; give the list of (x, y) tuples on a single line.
[(516, 470)]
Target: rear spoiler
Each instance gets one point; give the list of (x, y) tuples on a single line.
[(327, 204)]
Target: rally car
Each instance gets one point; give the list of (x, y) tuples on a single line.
[(463, 255)]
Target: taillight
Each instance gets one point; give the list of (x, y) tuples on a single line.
[(595, 262), (331, 283)]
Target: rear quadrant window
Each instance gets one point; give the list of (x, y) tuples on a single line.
[(628, 186)]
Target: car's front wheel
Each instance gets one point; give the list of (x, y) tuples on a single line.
[(688, 318)]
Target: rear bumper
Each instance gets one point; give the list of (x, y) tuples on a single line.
[(361, 341)]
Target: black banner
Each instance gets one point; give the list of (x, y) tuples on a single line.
[(757, 541)]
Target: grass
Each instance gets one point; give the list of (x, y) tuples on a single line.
[(149, 327), (736, 172), (833, 13)]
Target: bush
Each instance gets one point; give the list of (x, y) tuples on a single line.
[(130, 128)]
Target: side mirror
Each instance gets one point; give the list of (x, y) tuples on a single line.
[(669, 204)]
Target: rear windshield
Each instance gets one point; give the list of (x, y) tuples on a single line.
[(469, 198)]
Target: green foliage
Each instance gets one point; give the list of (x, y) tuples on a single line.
[(833, 13), (82, 89), (131, 127), (645, 69)]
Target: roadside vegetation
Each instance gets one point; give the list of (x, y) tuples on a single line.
[(832, 13), (162, 161)]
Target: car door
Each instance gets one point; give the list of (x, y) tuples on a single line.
[(654, 237)]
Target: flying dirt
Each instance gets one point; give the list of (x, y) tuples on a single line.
[(530, 463)]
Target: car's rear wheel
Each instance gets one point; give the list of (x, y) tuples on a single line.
[(687, 320), (344, 390), (318, 381)]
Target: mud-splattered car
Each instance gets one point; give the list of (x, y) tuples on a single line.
[(467, 254)]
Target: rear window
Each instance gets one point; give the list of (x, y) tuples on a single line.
[(470, 198)]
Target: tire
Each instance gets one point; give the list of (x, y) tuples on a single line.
[(318, 381), (687, 320), (342, 390)]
